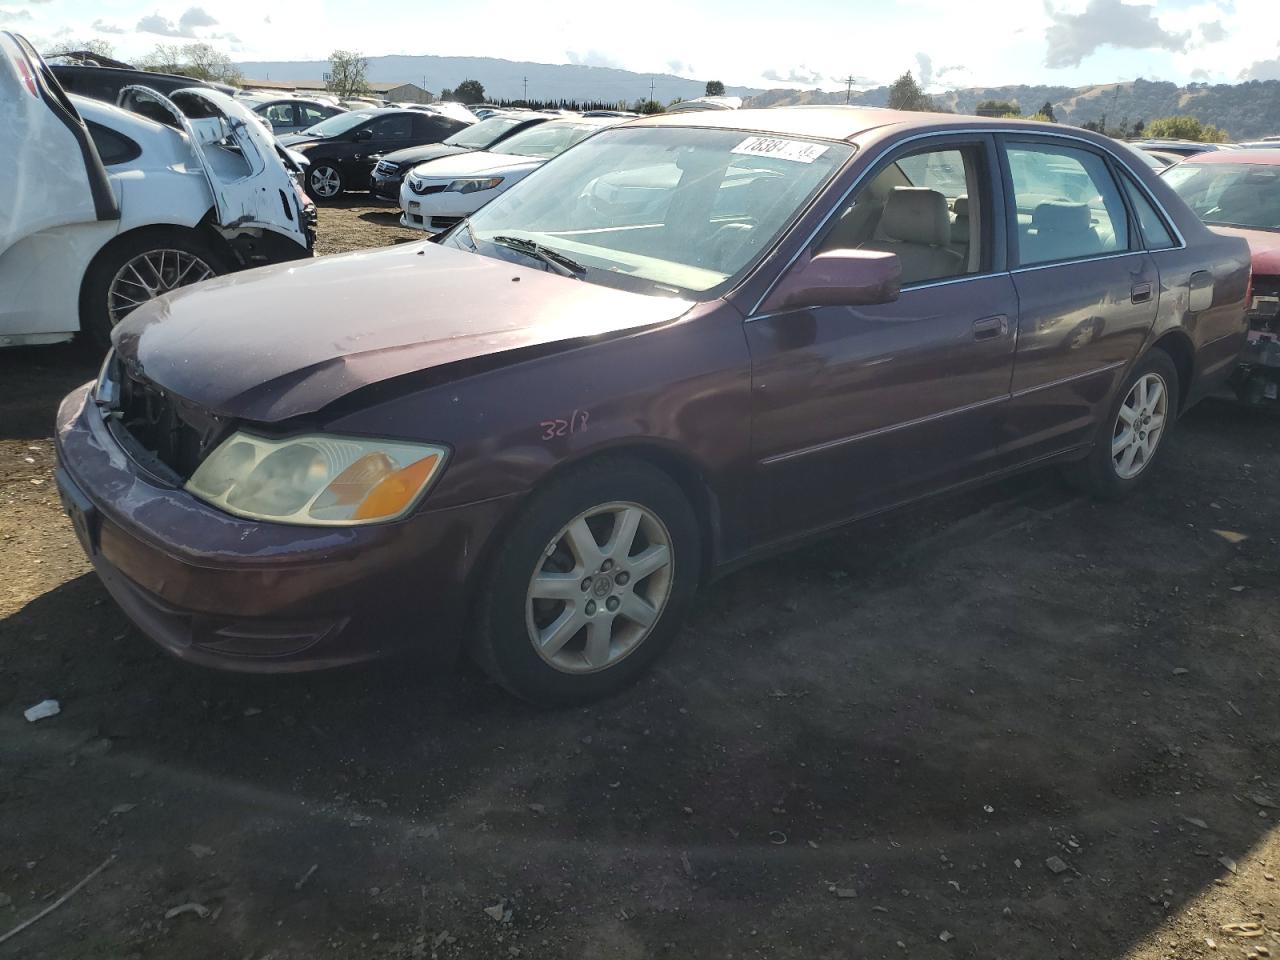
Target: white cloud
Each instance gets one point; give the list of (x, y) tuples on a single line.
[(191, 19), (14, 16), (1071, 37)]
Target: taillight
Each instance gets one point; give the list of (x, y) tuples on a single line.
[(1248, 291), (23, 69)]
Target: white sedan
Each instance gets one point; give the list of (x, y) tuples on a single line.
[(437, 194), (103, 208)]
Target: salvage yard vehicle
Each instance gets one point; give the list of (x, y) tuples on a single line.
[(342, 151), (390, 172), (107, 209), (437, 194), (533, 440), (1238, 194), (290, 114)]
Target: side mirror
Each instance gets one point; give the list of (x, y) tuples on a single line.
[(838, 278), (362, 135)]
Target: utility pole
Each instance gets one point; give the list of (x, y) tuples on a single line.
[(848, 88), (526, 90), (651, 88)]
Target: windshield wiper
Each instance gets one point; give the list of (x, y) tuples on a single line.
[(563, 265)]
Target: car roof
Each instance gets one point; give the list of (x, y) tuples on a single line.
[(1262, 157), (833, 122)]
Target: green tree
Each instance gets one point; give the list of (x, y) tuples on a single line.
[(348, 74), (905, 94), (1183, 127), (1046, 112), (199, 60), (469, 91), (649, 106), (998, 108), (62, 47), (715, 88)]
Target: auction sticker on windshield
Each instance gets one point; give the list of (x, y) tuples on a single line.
[(799, 151)]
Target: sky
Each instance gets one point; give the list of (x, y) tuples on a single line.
[(817, 43)]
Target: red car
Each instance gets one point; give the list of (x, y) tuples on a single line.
[(1237, 192), (686, 342)]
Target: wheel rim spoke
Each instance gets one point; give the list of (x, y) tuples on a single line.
[(1126, 461), (556, 586), (649, 562), (599, 640), (623, 537), (560, 632), (1119, 444), (1128, 414), (583, 544), (1154, 396), (149, 275), (638, 610)]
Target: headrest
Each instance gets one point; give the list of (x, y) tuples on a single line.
[(916, 215), (960, 206), (1059, 216)]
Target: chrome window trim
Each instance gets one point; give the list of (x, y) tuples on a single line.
[(1064, 380), (1067, 263), (993, 131), (945, 282)]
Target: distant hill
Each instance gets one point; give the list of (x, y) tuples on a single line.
[(504, 79), (1246, 111)]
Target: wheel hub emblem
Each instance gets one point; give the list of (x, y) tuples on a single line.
[(602, 586)]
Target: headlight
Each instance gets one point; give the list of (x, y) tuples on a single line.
[(106, 390), (473, 185), (317, 480)]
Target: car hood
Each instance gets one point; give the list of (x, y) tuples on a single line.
[(433, 151), (286, 340), (1264, 245), (296, 140), (481, 161)]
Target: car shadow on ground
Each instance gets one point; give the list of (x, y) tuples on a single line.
[(1032, 722), (31, 381)]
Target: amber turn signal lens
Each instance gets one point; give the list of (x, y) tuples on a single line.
[(393, 493)]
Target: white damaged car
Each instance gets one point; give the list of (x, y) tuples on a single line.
[(105, 208), (437, 194)]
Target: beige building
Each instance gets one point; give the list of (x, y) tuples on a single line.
[(397, 92)]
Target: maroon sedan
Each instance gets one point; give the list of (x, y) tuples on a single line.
[(684, 343), (1237, 192)]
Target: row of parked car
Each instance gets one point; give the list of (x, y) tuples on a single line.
[(685, 342)]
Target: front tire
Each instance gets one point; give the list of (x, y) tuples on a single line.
[(1132, 435), (589, 585), (324, 182), (140, 268)]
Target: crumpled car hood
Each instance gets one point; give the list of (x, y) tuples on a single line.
[(285, 340)]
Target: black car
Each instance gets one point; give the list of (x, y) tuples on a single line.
[(391, 168), (343, 149), (105, 83)]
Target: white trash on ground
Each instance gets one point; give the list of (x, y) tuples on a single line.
[(43, 709)]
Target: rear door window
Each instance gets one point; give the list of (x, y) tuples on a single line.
[(396, 127), (280, 114), (1154, 231), (1068, 205)]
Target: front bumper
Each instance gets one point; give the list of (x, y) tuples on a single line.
[(242, 595), (386, 186)]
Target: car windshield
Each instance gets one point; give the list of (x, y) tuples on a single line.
[(546, 139), (661, 210), (1230, 194), (480, 135), (337, 125)]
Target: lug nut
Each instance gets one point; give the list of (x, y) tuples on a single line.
[(622, 578), (612, 604), (606, 566), (586, 585), (591, 608)]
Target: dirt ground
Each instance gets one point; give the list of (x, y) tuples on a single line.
[(883, 745)]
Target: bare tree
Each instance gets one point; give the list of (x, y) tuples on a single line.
[(199, 60), (347, 73), (100, 47)]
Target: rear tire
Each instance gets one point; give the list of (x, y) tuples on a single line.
[(1133, 433), (138, 268), (558, 622)]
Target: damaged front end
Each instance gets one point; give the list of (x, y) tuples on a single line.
[(259, 206), (1257, 377)]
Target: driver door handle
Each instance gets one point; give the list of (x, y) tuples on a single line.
[(1141, 293), (991, 328)]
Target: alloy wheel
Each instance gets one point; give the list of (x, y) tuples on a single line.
[(325, 182), (600, 587), (149, 275), (1139, 425)]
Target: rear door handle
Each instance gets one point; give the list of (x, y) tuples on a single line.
[(1141, 293), (990, 328)]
